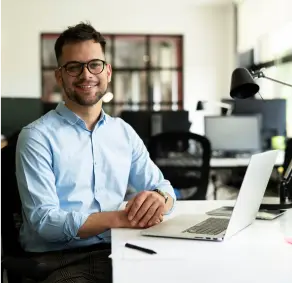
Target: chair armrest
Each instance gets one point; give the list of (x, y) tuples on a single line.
[(26, 267)]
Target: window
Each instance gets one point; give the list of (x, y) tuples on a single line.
[(147, 71)]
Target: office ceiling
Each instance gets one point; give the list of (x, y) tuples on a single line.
[(211, 2), (208, 3), (199, 2)]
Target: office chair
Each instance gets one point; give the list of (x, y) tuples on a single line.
[(13, 258), (184, 159)]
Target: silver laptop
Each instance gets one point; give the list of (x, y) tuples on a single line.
[(215, 228)]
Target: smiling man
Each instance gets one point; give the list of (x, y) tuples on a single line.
[(73, 167)]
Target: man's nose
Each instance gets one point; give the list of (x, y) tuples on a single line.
[(85, 73)]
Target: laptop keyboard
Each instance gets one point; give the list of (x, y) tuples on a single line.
[(210, 226)]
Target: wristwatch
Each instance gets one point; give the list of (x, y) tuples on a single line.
[(162, 194)]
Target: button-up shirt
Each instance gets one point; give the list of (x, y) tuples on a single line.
[(66, 172)]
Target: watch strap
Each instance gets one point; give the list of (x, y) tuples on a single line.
[(162, 194)]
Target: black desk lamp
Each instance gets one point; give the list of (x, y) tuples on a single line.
[(243, 86)]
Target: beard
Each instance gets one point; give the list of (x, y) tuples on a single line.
[(85, 99)]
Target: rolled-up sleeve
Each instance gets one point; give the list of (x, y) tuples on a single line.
[(36, 183), (144, 174)]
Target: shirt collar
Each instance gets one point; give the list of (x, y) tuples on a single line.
[(72, 118)]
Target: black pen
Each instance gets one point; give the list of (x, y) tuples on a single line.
[(134, 247)]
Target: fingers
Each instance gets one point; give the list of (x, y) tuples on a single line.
[(152, 212), (129, 204), (155, 223), (145, 209), (136, 205), (149, 206), (156, 217)]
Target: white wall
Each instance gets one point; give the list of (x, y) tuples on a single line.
[(260, 17), (208, 39)]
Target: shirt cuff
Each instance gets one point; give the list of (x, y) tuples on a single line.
[(172, 208), (74, 221)]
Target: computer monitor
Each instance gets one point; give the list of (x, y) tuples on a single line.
[(48, 106), (169, 121), (273, 113), (234, 135), (150, 123), (17, 113), (246, 59), (140, 122)]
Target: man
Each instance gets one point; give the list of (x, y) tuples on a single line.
[(74, 165)]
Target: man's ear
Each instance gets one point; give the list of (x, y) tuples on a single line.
[(109, 72), (58, 77)]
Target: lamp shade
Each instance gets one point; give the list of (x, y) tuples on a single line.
[(242, 84)]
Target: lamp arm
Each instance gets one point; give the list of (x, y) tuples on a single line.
[(260, 74), (279, 82)]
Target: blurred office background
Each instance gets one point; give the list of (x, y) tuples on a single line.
[(172, 64)]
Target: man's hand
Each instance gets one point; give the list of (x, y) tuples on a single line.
[(99, 222), (124, 222), (145, 209)]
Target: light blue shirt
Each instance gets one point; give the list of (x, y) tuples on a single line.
[(66, 172)]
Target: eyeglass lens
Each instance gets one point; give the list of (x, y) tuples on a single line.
[(75, 68)]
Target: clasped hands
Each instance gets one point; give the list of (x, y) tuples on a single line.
[(145, 209)]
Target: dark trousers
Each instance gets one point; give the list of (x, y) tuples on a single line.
[(82, 265)]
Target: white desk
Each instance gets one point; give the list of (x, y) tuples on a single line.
[(240, 162), (259, 253)]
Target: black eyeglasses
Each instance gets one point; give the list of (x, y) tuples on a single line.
[(75, 69)]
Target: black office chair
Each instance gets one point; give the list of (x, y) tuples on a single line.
[(13, 258), (184, 159)]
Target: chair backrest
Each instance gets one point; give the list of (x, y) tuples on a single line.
[(10, 201), (18, 266), (184, 159)]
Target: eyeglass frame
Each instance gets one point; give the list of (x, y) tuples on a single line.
[(83, 65)]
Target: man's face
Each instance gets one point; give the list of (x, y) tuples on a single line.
[(85, 86)]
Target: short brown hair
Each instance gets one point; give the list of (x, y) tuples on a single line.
[(78, 33)]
